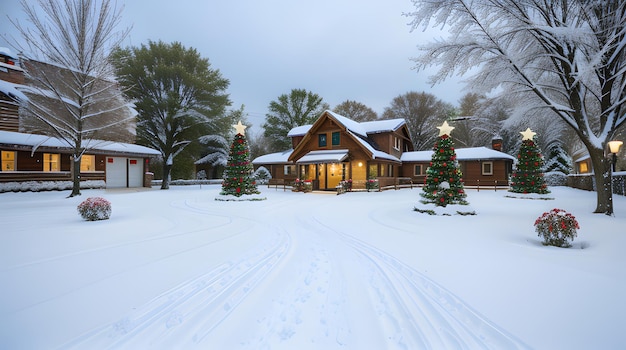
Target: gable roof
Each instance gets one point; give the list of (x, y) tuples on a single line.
[(353, 129), (471, 153)]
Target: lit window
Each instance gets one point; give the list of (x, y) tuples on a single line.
[(583, 167), (87, 163), (396, 143), (336, 139), (487, 168), (321, 140), (51, 162), (8, 161)]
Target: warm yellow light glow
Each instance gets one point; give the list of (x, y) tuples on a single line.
[(360, 164), (614, 146), (583, 168)]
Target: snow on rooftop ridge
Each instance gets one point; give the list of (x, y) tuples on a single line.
[(273, 158), (5, 51), (470, 153), (377, 126), (299, 130), (350, 124)]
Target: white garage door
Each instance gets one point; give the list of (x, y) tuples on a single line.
[(135, 172), (124, 172)]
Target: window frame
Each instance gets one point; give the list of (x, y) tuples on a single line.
[(322, 140), (335, 141), (93, 163), (421, 167), (8, 160), (483, 171), (49, 162)]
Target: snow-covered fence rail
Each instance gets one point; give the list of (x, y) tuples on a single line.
[(587, 182)]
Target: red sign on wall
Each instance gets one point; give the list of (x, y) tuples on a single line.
[(133, 161), (109, 160)]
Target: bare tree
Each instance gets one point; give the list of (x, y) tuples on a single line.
[(423, 112), (355, 111), (72, 94), (567, 58)]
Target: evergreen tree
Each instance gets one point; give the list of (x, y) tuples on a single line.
[(238, 179), (528, 174), (444, 184), (558, 160)]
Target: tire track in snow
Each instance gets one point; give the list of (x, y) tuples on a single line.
[(418, 313), (188, 313)]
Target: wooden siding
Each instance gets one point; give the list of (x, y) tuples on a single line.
[(9, 118), (472, 172)]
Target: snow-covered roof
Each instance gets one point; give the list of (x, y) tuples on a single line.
[(350, 124), (377, 126), (273, 158), (299, 130), (376, 154), (6, 52), (33, 140), (11, 90), (324, 156), (471, 153)]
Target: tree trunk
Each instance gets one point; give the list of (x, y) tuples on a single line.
[(165, 185), (602, 175), (75, 170)]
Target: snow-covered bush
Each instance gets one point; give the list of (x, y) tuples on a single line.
[(95, 208), (262, 175), (557, 227), (555, 178)]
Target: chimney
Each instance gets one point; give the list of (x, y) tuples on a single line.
[(496, 144)]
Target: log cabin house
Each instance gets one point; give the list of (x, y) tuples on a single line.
[(28, 156), (336, 148)]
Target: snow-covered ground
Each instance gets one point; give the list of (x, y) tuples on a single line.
[(178, 270)]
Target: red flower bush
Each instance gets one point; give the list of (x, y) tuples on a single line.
[(557, 227), (95, 208)]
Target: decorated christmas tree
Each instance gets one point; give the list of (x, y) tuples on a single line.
[(444, 185), (528, 174), (238, 179)]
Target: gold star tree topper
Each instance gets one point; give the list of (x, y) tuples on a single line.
[(241, 129), (528, 134), (445, 129)]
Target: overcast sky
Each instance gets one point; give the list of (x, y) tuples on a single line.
[(340, 49)]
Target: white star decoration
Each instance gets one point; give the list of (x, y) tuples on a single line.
[(528, 134), (241, 129), (445, 129)]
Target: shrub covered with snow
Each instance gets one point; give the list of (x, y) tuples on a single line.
[(95, 208), (557, 227), (262, 175), (555, 178), (36, 186)]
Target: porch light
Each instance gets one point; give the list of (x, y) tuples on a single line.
[(360, 164)]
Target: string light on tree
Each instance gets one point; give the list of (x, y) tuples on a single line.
[(237, 178), (528, 175), (444, 185)]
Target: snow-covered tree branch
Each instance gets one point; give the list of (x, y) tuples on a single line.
[(567, 58)]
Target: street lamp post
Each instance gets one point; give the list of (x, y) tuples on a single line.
[(614, 147)]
